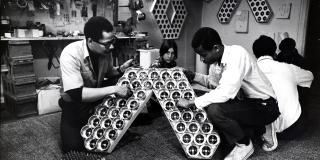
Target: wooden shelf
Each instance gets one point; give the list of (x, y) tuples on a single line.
[(41, 38), (60, 38)]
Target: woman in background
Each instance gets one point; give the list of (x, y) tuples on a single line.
[(168, 55)]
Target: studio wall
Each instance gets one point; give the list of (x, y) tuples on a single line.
[(55, 20), (295, 25), (55, 23)]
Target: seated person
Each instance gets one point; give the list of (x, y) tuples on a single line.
[(84, 66), (284, 79), (289, 54), (168, 55)]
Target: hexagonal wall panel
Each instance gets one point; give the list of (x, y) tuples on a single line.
[(261, 10), (227, 9), (169, 16)]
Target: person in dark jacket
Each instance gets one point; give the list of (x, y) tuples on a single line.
[(289, 54)]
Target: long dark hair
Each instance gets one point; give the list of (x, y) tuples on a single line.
[(166, 45)]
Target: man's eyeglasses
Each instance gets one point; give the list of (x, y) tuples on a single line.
[(109, 43)]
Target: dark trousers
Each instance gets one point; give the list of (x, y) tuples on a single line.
[(72, 120), (233, 116), (301, 125)]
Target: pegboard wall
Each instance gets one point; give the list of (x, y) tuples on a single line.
[(114, 116), (69, 18), (170, 16)]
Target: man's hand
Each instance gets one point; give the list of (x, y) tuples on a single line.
[(189, 74), (185, 103), (126, 64), (123, 91)]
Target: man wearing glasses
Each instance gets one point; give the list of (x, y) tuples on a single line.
[(85, 65)]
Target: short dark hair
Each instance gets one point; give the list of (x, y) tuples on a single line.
[(166, 45), (206, 37), (263, 46), (287, 44), (95, 26)]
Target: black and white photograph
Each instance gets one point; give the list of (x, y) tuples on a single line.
[(160, 79)]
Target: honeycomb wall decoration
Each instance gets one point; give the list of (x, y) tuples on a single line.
[(227, 9), (114, 115), (261, 10), (170, 16)]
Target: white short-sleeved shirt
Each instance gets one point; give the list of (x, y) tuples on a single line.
[(76, 67), (284, 79), (240, 70)]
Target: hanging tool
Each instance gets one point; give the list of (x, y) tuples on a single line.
[(31, 5), (94, 7)]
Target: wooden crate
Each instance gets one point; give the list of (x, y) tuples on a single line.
[(20, 66), (21, 106), (19, 86), (19, 48)]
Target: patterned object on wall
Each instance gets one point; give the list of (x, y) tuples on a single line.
[(227, 10), (170, 16), (261, 10)]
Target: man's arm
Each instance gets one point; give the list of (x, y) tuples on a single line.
[(115, 71), (94, 94), (230, 82), (210, 81), (119, 70), (303, 77), (85, 94), (73, 82)]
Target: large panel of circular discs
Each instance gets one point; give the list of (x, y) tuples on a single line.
[(261, 10), (170, 16), (114, 115), (192, 127)]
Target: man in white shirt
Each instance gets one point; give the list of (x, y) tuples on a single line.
[(284, 79), (227, 113)]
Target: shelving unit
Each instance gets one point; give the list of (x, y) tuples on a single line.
[(13, 47)]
